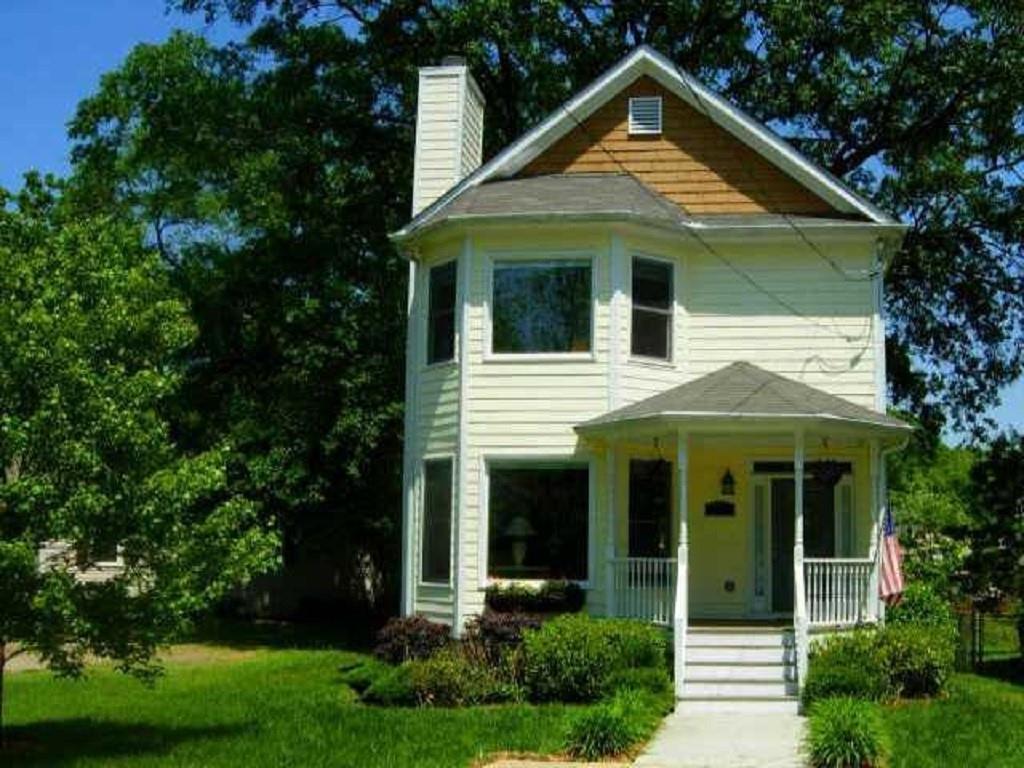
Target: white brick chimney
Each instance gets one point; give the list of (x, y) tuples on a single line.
[(449, 130)]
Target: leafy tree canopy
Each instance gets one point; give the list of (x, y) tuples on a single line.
[(90, 330), (920, 105), (270, 171)]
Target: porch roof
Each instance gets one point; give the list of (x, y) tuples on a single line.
[(743, 392)]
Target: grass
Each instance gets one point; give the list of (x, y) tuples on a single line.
[(980, 723), (264, 707)]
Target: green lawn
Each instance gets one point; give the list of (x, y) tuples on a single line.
[(260, 707), (981, 723)]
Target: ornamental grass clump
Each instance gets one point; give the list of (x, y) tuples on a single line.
[(846, 733)]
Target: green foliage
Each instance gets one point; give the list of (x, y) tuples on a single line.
[(363, 674), (915, 104), (901, 660), (917, 659), (568, 659), (846, 733), (91, 334), (653, 680), (921, 604), (608, 729), (636, 643), (846, 665), (392, 688), (996, 565), (450, 679), (572, 657), (549, 597)]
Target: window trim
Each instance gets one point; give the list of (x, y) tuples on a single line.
[(422, 520), (456, 330), (538, 461), (671, 312), (492, 259)]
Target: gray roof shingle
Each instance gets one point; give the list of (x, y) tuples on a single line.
[(743, 389), (561, 194)]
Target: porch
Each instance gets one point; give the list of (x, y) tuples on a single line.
[(760, 510)]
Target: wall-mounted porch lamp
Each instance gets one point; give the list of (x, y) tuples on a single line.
[(728, 484)]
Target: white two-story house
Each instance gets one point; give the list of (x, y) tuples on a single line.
[(645, 353)]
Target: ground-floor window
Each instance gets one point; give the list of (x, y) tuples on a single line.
[(436, 556), (538, 522)]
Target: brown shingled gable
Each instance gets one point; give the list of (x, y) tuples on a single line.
[(694, 163)]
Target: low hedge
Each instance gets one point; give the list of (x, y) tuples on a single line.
[(898, 661), (846, 733), (573, 657), (392, 688), (450, 679)]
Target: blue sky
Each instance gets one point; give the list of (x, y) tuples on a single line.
[(52, 53)]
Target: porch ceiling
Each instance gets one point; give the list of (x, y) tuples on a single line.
[(743, 397)]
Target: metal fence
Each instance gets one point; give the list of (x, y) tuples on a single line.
[(987, 637)]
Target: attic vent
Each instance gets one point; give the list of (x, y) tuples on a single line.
[(644, 115)]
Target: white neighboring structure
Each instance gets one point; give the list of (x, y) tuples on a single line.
[(648, 361)]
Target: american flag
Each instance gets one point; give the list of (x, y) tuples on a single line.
[(890, 585)]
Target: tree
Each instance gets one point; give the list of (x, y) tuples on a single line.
[(918, 104), (90, 334), (997, 566), (272, 200)]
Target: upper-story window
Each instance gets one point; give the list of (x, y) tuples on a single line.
[(652, 309), (441, 322), (541, 306)]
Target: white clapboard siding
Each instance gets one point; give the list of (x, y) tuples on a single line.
[(814, 325)]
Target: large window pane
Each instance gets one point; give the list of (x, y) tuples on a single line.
[(441, 323), (541, 307), (650, 508), (437, 521), (652, 309), (538, 522)]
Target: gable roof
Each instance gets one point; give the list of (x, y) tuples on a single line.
[(743, 390), (646, 61)]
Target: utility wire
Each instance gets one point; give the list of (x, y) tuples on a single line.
[(743, 274)]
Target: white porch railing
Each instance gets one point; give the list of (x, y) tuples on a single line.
[(838, 591), (645, 588)]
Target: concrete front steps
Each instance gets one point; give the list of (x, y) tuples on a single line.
[(739, 669)]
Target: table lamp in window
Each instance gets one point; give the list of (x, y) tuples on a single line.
[(519, 530)]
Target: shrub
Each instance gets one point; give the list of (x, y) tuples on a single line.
[(921, 604), (846, 733), (362, 675), (450, 679), (392, 688), (654, 680), (846, 665), (636, 643), (918, 659), (411, 637), (497, 633), (572, 657), (607, 729), (567, 659), (549, 597)]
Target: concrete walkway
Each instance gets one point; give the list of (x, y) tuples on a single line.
[(726, 740)]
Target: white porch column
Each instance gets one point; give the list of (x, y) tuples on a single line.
[(611, 465), (799, 588), (873, 601), (682, 557)]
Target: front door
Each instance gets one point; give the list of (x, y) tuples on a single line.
[(782, 539)]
